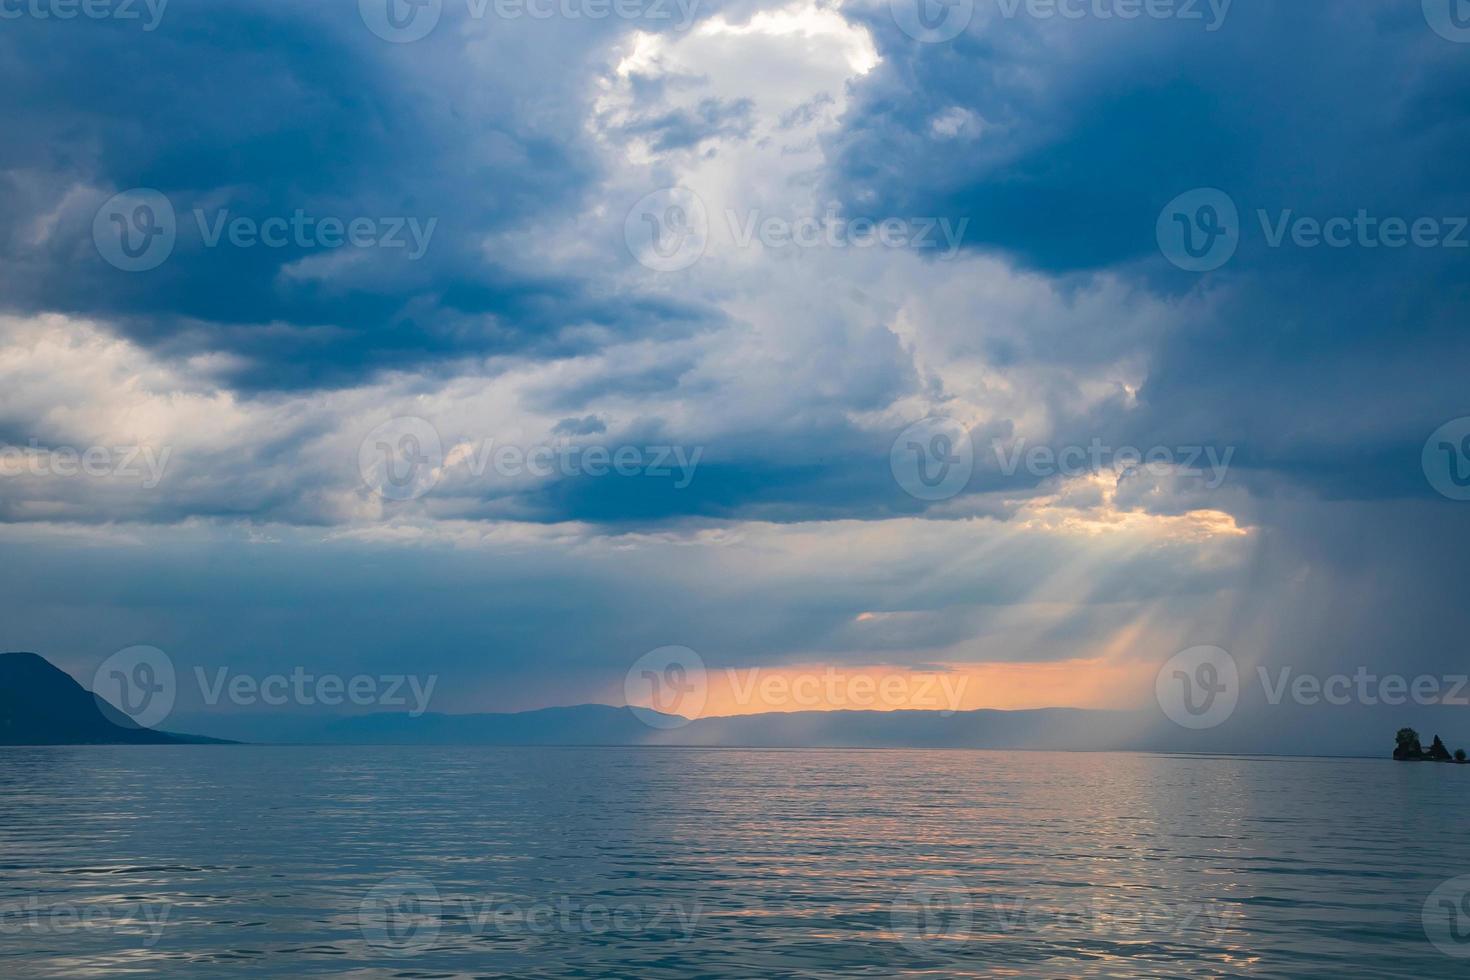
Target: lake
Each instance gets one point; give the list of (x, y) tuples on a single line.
[(551, 862)]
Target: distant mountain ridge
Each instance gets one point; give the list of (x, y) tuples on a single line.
[(1047, 729), (606, 725), (42, 705)]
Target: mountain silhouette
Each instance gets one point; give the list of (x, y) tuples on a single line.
[(41, 705), (601, 724), (585, 724)]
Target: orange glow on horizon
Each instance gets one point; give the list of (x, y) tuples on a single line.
[(1081, 683)]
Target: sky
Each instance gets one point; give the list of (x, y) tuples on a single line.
[(1015, 343)]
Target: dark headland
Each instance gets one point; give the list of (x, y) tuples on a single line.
[(42, 705)]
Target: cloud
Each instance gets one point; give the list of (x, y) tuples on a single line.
[(775, 374), (1091, 126), (586, 426), (295, 125)]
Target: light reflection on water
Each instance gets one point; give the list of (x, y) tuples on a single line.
[(365, 862)]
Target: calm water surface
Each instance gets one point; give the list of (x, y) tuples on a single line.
[(461, 862)]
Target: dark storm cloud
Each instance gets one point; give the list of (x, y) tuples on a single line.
[(259, 112), (1325, 365), (1085, 129), (1076, 134)]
